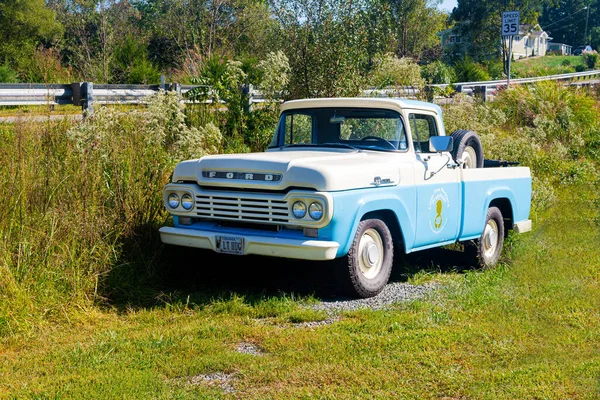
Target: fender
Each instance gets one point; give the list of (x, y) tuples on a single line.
[(350, 207)]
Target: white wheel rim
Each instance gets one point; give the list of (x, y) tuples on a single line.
[(370, 253), (469, 158), (490, 239)]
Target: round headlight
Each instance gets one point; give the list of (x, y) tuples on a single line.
[(299, 209), (173, 200), (315, 211), (187, 202)]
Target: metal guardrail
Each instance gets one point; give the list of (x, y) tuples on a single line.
[(12, 94), (502, 82), (86, 93), (483, 88)]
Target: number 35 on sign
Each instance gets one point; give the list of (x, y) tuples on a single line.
[(510, 23)]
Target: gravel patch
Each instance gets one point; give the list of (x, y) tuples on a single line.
[(314, 324), (219, 379), (392, 293), (248, 348)]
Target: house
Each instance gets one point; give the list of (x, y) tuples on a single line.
[(532, 40), (560, 49)]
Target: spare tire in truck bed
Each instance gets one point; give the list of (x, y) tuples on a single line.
[(467, 149)]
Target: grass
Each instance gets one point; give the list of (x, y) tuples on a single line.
[(56, 109), (93, 306), (545, 65), (528, 329)]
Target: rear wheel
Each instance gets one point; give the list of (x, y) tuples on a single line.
[(367, 267), (489, 245), (467, 150)]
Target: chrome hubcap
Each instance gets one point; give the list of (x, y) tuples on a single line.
[(490, 238), (370, 251)]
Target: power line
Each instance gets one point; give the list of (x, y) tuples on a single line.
[(568, 16)]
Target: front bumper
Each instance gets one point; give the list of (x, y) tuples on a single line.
[(302, 249)]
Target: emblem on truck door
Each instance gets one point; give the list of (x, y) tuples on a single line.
[(438, 203), (245, 176)]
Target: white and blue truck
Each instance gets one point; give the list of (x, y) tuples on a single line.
[(351, 180)]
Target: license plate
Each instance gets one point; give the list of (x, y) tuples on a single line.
[(230, 245)]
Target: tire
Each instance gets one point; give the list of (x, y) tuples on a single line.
[(366, 269), (467, 150), (489, 245)]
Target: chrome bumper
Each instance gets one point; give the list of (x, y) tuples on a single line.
[(303, 249)]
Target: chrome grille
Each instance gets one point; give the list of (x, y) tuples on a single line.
[(242, 208)]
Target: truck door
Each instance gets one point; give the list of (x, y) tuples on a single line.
[(438, 187)]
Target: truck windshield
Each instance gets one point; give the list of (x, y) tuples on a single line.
[(364, 128)]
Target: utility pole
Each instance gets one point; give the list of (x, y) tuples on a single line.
[(585, 37)]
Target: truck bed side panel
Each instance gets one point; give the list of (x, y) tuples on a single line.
[(483, 185)]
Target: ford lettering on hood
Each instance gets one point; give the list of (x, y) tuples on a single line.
[(327, 170)]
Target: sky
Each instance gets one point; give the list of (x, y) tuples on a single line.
[(447, 5)]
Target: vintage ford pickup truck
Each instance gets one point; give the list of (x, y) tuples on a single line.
[(350, 180)]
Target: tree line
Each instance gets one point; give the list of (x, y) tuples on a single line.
[(318, 47)]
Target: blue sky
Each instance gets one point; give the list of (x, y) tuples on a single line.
[(447, 5)]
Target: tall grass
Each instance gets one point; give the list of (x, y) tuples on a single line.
[(81, 206)]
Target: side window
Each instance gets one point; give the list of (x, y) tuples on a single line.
[(298, 129), (422, 127)]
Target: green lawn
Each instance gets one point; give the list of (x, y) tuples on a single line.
[(529, 329), (546, 65)]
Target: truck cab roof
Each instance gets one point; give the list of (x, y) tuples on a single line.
[(366, 102)]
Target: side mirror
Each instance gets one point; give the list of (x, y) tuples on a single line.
[(441, 143)]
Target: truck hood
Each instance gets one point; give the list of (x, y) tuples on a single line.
[(279, 169)]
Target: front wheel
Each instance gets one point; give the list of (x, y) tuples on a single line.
[(367, 267), (489, 245)]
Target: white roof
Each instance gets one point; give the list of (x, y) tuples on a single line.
[(366, 102)]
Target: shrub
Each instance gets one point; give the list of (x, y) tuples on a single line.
[(495, 69), (131, 65), (143, 73), (559, 113), (275, 71), (590, 60), (45, 67), (566, 62), (438, 73), (7, 74), (390, 70), (468, 70)]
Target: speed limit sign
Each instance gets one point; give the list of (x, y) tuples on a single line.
[(510, 23)]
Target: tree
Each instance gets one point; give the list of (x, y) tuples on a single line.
[(565, 20), (181, 30), (25, 25), (416, 23), (325, 42)]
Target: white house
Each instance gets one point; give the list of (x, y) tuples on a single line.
[(531, 41)]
